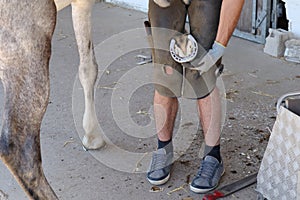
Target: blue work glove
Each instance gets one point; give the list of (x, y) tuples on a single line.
[(210, 59)]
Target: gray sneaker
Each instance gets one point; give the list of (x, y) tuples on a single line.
[(208, 176), (160, 167)]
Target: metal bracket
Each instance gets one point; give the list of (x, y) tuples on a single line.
[(273, 17), (262, 16), (260, 19), (143, 59)]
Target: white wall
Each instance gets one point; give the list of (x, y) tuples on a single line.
[(293, 15), (141, 5)]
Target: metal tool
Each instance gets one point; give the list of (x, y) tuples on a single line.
[(144, 59), (291, 101), (231, 188)]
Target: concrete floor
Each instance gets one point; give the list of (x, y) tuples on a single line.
[(253, 82)]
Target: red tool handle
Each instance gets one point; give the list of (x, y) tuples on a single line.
[(217, 194)]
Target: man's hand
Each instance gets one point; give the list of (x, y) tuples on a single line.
[(210, 59)]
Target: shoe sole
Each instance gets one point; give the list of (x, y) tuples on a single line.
[(201, 191), (160, 182)]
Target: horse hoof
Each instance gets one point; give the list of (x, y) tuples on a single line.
[(91, 142)]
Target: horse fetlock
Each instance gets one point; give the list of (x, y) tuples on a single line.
[(93, 141)]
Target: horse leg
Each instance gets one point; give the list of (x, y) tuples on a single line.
[(25, 48), (25, 105), (88, 70), (60, 4)]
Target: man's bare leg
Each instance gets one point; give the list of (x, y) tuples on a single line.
[(211, 168), (165, 110), (210, 117)]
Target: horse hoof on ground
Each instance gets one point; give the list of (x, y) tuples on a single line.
[(92, 142)]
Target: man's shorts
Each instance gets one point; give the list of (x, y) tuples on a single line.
[(166, 22)]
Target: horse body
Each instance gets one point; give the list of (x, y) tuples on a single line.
[(26, 29)]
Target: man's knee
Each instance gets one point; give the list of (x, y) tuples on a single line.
[(163, 100)]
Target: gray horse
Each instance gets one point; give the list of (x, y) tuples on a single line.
[(26, 29)]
